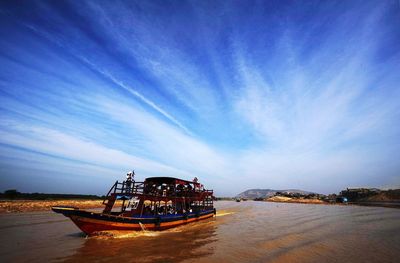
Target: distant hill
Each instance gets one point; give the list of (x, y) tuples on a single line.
[(263, 193)]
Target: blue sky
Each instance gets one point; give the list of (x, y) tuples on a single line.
[(241, 94)]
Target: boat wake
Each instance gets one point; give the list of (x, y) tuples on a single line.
[(224, 213), (118, 234)]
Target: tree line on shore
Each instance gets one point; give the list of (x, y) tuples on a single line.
[(13, 194)]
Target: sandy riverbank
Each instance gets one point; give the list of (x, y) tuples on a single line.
[(17, 206), (283, 199)]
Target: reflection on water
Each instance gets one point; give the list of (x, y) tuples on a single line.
[(241, 232)]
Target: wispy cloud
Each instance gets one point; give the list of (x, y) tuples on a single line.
[(137, 95)]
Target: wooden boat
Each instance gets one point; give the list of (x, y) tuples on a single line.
[(158, 203)]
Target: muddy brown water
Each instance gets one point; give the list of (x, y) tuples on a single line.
[(241, 232)]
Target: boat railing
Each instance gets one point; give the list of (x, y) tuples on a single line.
[(125, 188), (128, 189)]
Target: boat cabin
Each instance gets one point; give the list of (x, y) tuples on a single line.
[(157, 196)]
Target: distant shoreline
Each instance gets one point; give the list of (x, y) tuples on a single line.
[(21, 206), (388, 204), (283, 199)]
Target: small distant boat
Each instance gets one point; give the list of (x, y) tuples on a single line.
[(158, 203), (238, 199)]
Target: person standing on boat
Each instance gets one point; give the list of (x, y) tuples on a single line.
[(130, 175), (195, 181), (129, 179)]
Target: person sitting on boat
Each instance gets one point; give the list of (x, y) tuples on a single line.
[(170, 210)]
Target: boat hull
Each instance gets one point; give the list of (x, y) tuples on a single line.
[(92, 222)]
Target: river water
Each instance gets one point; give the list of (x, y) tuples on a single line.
[(241, 232)]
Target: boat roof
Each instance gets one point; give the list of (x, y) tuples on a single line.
[(168, 180)]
